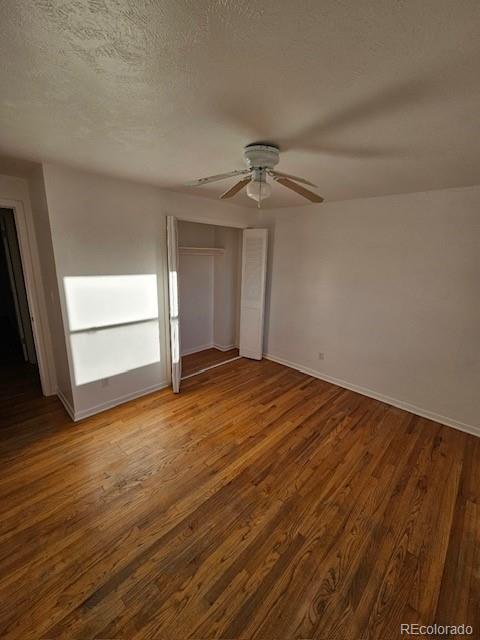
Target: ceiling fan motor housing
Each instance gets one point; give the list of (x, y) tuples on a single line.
[(261, 156)]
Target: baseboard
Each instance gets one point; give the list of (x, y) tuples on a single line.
[(227, 347), (212, 345), (66, 404), (400, 404), (86, 413)]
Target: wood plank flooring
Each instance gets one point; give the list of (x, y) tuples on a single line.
[(259, 503), (207, 358)]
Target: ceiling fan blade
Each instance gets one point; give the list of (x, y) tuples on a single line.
[(388, 100), (235, 189), (306, 193), (350, 152), (274, 174), (220, 176)]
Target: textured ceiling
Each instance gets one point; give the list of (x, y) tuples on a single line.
[(365, 98)]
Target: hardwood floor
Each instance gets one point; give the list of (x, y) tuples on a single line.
[(207, 358), (259, 503)]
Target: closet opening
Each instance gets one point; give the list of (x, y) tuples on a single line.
[(216, 295), (209, 287)]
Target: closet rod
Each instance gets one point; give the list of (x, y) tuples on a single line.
[(201, 251)]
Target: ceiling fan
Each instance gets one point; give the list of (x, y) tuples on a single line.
[(260, 160)]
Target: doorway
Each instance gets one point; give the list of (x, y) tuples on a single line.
[(209, 295), (240, 282), (17, 346)]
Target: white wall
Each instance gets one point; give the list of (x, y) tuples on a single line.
[(109, 227), (193, 234), (389, 290)]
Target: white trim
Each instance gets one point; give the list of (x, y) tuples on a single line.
[(400, 404), (34, 289), (163, 270), (86, 413), (211, 345), (212, 366), (226, 347), (200, 251), (174, 303), (66, 404)]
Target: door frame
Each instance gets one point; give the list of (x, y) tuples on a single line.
[(33, 286), (173, 304), (198, 220)]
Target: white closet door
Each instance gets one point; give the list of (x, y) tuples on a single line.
[(254, 266), (172, 251)]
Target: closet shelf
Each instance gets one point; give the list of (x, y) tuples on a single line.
[(201, 251)]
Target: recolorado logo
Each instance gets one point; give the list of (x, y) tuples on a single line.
[(436, 629)]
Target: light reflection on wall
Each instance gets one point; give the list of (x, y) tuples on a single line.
[(113, 322)]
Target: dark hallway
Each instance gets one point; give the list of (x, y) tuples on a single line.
[(10, 343), (18, 369)]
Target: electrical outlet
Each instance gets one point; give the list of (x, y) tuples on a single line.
[(321, 355)]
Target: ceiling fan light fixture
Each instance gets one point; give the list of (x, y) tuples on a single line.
[(258, 190)]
